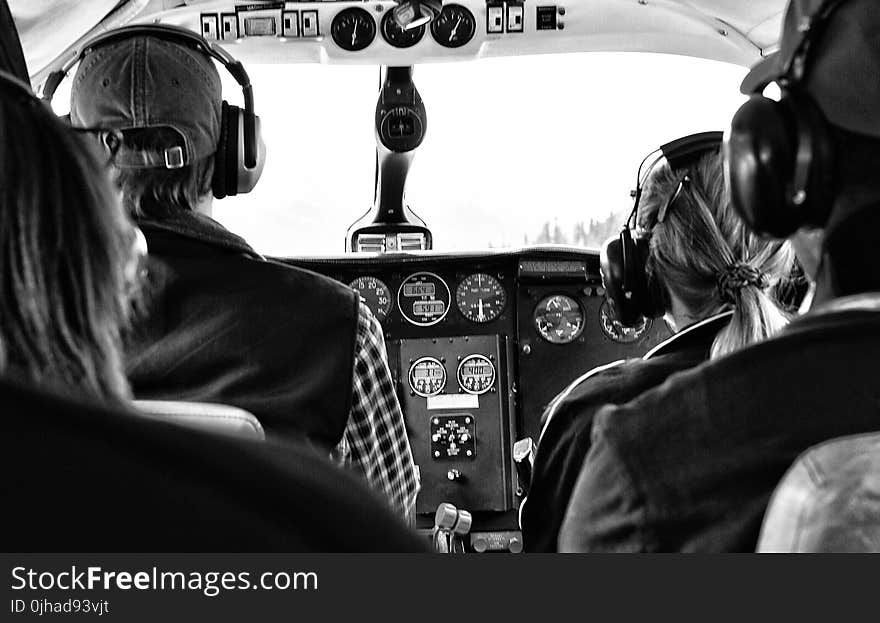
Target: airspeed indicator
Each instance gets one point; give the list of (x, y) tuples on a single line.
[(374, 295)]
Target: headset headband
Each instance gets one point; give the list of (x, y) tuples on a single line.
[(680, 154), (807, 25), (183, 36)]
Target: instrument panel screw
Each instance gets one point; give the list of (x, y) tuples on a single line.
[(562, 10), (526, 349)]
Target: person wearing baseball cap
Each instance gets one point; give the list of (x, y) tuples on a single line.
[(691, 465), (223, 324)]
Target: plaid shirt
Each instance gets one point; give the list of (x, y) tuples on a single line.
[(375, 441)]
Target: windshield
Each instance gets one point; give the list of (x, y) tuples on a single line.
[(519, 150)]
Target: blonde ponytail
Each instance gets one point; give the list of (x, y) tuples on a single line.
[(703, 253), (755, 315)]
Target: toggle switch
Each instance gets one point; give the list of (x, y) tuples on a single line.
[(514, 17), (495, 18)]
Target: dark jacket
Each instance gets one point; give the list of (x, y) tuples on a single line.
[(565, 439), (690, 465), (223, 325)]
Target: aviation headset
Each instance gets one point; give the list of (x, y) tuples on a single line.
[(780, 156), (624, 259), (240, 154)]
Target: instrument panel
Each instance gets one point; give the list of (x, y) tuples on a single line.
[(478, 345), (424, 299)]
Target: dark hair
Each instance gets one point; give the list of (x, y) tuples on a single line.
[(65, 247), (157, 193), (702, 246)]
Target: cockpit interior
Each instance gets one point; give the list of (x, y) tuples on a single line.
[(479, 341)]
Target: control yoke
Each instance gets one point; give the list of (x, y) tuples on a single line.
[(400, 123)]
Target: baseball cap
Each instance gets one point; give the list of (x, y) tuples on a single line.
[(148, 83), (842, 65)]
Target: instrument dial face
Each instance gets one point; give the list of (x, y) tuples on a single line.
[(454, 27), (353, 29), (480, 297), (397, 36), (476, 374), (619, 333), (427, 377), (423, 299), (559, 319), (374, 294)]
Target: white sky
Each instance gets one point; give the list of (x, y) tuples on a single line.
[(511, 143)]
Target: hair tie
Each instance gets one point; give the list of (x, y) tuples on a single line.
[(736, 277)]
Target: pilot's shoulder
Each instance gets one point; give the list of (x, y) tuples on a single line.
[(616, 383), (294, 277)]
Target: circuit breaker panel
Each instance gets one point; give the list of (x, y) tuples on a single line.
[(455, 397)]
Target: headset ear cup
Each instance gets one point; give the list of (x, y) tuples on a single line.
[(220, 180), (248, 176), (622, 263), (759, 153), (820, 183), (612, 268), (231, 173), (233, 148)]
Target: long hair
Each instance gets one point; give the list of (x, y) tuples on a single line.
[(704, 254), (65, 246)]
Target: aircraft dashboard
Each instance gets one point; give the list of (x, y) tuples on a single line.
[(478, 345)]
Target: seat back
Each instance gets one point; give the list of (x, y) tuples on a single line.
[(829, 501), (205, 416), (81, 477)]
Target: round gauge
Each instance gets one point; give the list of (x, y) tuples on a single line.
[(617, 332), (374, 294), (353, 29), (397, 36), (454, 27), (480, 297), (559, 319), (476, 374), (423, 299), (427, 377)]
